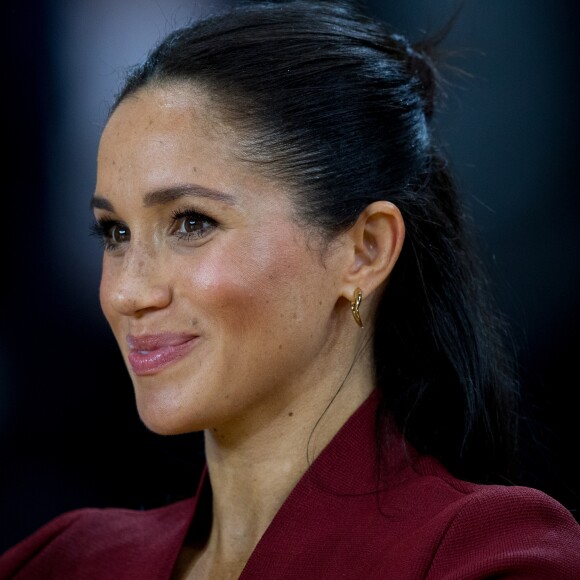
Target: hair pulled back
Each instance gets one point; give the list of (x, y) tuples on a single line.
[(330, 101)]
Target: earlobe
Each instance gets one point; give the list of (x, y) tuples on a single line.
[(375, 242)]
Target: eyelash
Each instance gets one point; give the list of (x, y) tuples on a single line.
[(103, 228), (193, 215)]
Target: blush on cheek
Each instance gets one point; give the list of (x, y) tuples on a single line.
[(228, 287), (248, 282)]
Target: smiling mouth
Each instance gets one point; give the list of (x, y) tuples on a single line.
[(150, 354)]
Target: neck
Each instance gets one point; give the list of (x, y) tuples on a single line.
[(252, 471)]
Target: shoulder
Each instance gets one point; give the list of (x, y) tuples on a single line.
[(104, 541), (437, 526), (495, 529)]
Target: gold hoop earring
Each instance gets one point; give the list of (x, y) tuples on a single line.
[(354, 306)]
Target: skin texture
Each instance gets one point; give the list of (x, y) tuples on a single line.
[(266, 304)]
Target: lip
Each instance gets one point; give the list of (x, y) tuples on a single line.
[(151, 353)]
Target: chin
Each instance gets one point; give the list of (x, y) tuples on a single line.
[(163, 421), (161, 427)]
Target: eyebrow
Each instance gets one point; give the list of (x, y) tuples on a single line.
[(168, 194)]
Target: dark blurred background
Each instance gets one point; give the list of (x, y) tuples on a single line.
[(69, 433)]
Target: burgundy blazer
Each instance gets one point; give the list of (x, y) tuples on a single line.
[(339, 522)]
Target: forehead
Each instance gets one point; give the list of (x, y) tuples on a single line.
[(174, 112), (172, 135)]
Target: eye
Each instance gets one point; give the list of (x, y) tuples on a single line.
[(190, 224), (111, 232)]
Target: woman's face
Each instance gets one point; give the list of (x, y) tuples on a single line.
[(223, 306)]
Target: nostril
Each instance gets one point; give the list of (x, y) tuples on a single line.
[(139, 298), (136, 283)]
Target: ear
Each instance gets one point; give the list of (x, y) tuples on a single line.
[(373, 246)]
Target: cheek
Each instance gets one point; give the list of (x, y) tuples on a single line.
[(105, 294), (255, 285)]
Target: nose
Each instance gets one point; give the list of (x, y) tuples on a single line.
[(135, 284)]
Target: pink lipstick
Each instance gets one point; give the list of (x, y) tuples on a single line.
[(149, 354)]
